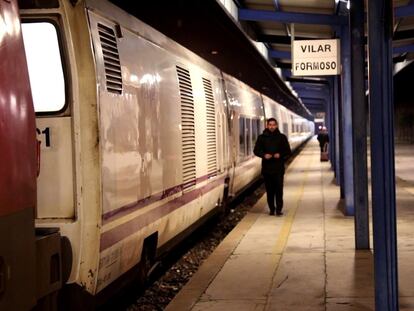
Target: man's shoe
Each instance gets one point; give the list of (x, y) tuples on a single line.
[(279, 213), (271, 212)]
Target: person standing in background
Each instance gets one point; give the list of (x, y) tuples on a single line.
[(323, 138)]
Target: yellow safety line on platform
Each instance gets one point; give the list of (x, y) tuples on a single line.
[(287, 224), (285, 230)]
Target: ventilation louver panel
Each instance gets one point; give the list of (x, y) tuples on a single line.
[(211, 129), (187, 128), (113, 74)]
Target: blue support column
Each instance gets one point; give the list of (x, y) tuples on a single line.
[(328, 118), (338, 152), (331, 124), (359, 121), (380, 29), (347, 149), (341, 141)]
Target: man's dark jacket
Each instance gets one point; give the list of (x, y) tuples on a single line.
[(272, 143)]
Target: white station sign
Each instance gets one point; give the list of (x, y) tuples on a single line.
[(316, 57)]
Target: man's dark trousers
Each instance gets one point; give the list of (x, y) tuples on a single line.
[(274, 188)]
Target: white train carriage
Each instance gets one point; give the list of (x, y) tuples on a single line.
[(298, 131), (133, 144), (140, 140)]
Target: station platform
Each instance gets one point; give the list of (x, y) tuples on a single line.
[(304, 260)]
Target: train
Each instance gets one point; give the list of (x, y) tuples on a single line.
[(120, 146)]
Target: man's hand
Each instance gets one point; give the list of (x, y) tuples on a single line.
[(267, 156), (276, 155)]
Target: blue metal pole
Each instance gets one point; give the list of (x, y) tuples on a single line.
[(341, 141), (331, 126), (335, 125), (347, 149), (338, 152), (279, 54), (359, 117), (380, 28), (404, 11), (289, 17), (403, 49), (328, 118)]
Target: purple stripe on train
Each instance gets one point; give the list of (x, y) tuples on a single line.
[(119, 233), (126, 209)]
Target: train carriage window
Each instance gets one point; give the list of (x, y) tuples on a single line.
[(44, 61), (248, 137), (242, 137), (255, 130), (285, 128)]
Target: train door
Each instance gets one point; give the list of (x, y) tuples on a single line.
[(223, 142), (44, 53), (222, 135)]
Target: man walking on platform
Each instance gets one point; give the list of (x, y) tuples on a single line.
[(273, 147)]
